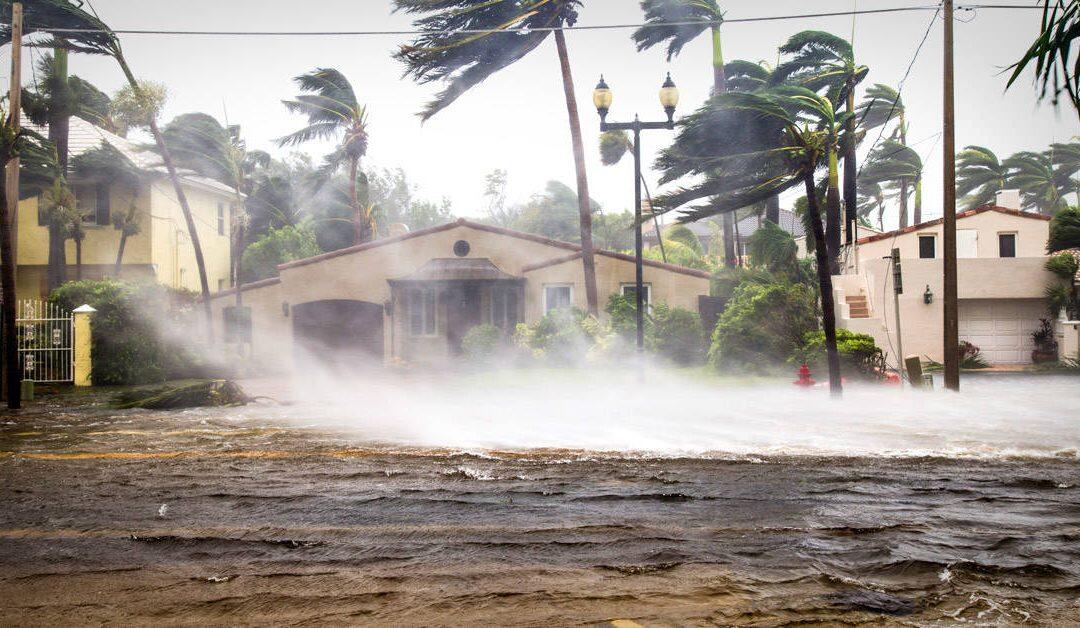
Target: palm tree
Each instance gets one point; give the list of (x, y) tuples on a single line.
[(677, 23), (67, 26), (882, 105), (823, 61), (1066, 161), (980, 175), (871, 199), (1042, 185), (895, 166), (776, 139), (747, 76), (106, 163), (333, 112), (12, 142), (1051, 52), (467, 41)]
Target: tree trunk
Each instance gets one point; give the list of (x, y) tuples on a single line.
[(918, 202), (903, 219), (354, 199), (727, 220), (832, 215), (828, 309), (59, 130), (584, 209), (850, 173), (78, 259), (56, 273), (120, 253), (772, 209), (12, 373), (166, 157)]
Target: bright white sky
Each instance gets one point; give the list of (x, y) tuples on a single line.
[(517, 119)]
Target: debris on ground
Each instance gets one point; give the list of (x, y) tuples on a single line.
[(199, 394)]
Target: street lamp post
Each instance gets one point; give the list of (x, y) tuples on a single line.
[(669, 99)]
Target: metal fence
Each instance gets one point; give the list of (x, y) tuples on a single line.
[(46, 336)]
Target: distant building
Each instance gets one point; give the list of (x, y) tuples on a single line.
[(161, 250)]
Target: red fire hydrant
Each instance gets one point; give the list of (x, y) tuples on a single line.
[(804, 377)]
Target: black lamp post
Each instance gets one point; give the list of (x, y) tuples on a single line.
[(669, 99)]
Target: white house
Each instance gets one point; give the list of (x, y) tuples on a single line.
[(1000, 284)]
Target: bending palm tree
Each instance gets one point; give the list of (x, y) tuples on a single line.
[(777, 139), (333, 112), (70, 27), (979, 176), (894, 165), (744, 76), (495, 34), (872, 198), (1041, 184), (677, 23), (823, 61), (882, 105), (106, 163)]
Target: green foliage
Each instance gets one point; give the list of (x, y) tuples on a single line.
[(858, 354), (483, 343), (683, 235), (623, 321), (613, 231), (1064, 265), (675, 252), (278, 246), (676, 335), (726, 280), (773, 249), (553, 213), (613, 145), (763, 325), (129, 346), (1050, 53), (133, 108), (970, 356), (562, 336), (1064, 230)]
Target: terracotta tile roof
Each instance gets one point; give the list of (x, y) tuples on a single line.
[(964, 214)]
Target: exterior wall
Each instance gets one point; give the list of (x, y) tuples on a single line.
[(666, 286), (271, 341), (1031, 234), (172, 252), (1011, 279), (1069, 339)]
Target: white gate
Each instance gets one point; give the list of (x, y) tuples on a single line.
[(46, 335)]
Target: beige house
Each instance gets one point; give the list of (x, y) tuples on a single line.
[(414, 296), (162, 249), (1001, 253)]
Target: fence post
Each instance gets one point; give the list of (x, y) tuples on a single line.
[(81, 345)]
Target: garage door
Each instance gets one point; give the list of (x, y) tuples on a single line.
[(1001, 327)]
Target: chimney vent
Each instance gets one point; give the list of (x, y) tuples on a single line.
[(1009, 199)]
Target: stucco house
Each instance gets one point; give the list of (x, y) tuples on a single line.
[(162, 249), (412, 297), (1001, 252)]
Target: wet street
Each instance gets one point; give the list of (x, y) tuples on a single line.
[(215, 516)]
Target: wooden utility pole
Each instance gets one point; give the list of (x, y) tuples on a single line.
[(15, 112), (951, 322)]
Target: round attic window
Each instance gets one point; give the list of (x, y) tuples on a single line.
[(461, 248)]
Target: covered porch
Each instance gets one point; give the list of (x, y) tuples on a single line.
[(433, 308)]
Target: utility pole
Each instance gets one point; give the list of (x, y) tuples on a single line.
[(951, 322), (11, 375), (15, 112), (898, 289)]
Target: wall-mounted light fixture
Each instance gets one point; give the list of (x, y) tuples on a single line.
[(285, 309), (928, 297)]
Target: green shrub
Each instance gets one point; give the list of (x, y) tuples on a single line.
[(483, 343), (762, 326), (129, 346), (859, 355), (676, 334), (773, 249), (1064, 230), (623, 320), (292, 242)]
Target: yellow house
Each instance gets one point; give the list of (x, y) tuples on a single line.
[(162, 248)]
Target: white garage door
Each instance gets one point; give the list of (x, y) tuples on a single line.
[(1001, 327)]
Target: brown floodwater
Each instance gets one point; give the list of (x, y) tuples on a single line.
[(188, 517)]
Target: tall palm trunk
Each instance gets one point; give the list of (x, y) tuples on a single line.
[(828, 309), (59, 130), (120, 254), (354, 200), (903, 181), (7, 307), (584, 210), (918, 201), (851, 208), (727, 220), (832, 215), (181, 197), (78, 259)]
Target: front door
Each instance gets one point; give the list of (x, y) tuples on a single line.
[(462, 314)]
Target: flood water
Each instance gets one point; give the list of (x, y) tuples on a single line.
[(718, 509)]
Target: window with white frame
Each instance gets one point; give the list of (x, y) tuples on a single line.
[(422, 311), (504, 307), (927, 246), (557, 296), (629, 290)]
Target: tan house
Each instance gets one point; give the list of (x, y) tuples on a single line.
[(162, 249), (414, 296), (1001, 253)]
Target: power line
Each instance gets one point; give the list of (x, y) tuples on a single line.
[(375, 33)]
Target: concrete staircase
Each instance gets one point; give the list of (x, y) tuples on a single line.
[(857, 306)]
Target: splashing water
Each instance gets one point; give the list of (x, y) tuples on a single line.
[(671, 414)]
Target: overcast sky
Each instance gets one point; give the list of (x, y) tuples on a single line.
[(517, 119)]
